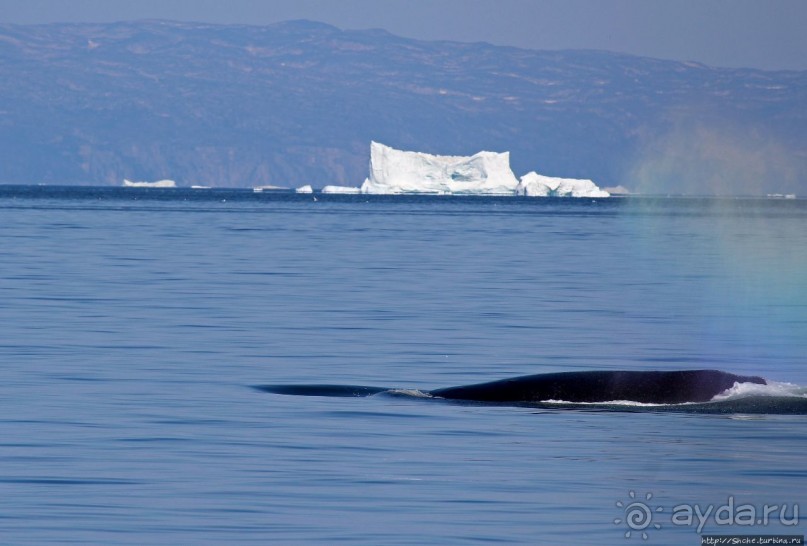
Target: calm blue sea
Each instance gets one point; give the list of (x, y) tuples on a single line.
[(134, 324)]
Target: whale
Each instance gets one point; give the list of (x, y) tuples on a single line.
[(645, 387), (686, 390)]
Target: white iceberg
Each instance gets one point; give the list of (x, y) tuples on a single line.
[(395, 171), (782, 196), (341, 189), (537, 185), (305, 189), (259, 189), (157, 184), (485, 173)]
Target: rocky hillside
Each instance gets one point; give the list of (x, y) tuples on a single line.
[(299, 102)]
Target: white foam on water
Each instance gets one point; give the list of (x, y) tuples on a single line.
[(608, 403), (772, 388), (737, 391)]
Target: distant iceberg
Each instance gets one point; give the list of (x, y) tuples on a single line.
[(259, 189), (537, 185), (157, 184), (305, 189), (341, 189), (485, 173), (396, 171), (781, 196)]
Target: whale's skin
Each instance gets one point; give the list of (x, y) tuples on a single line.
[(648, 387)]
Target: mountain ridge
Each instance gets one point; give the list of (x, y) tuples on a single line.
[(298, 102)]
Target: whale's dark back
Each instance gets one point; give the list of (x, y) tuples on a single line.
[(651, 387)]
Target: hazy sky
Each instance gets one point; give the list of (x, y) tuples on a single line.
[(762, 34)]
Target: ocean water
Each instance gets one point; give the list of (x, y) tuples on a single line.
[(135, 324)]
